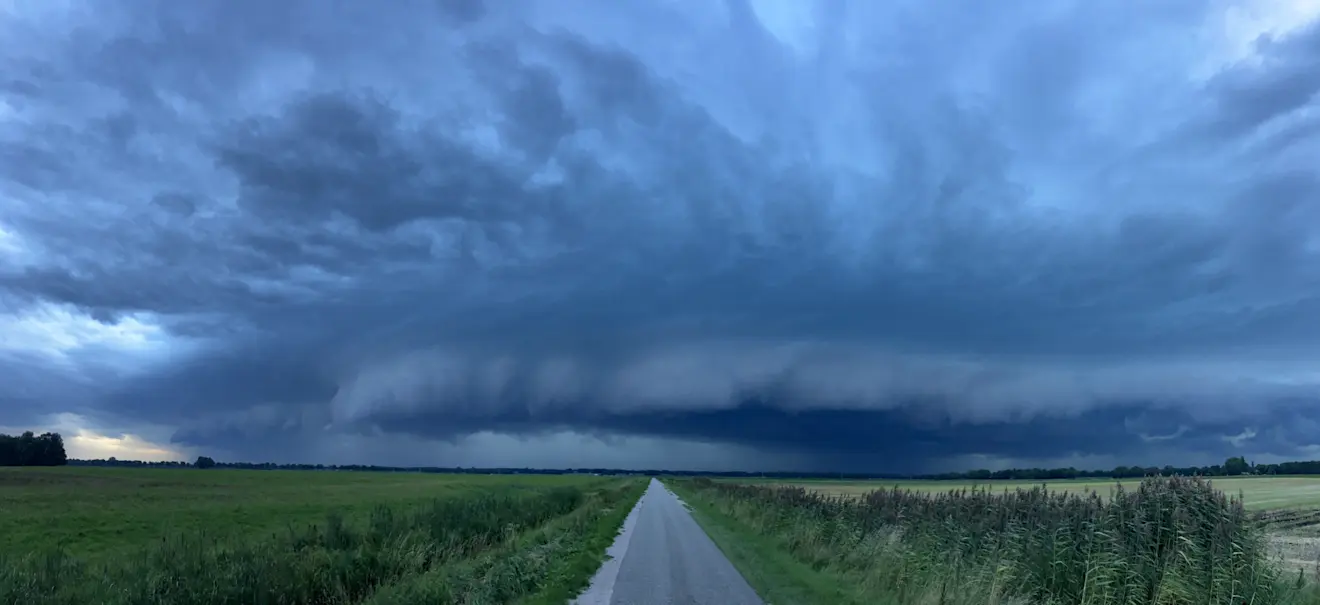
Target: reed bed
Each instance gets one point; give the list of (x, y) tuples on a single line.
[(1169, 541)]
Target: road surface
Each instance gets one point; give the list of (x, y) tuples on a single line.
[(662, 557)]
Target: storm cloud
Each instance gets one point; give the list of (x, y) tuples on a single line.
[(848, 235)]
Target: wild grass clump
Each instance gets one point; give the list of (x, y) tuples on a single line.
[(547, 566), (325, 563), (1170, 541)]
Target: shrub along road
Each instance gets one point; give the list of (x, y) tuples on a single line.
[(665, 557)]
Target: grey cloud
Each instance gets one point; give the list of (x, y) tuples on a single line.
[(1249, 96), (464, 11), (333, 154), (177, 203), (533, 223)]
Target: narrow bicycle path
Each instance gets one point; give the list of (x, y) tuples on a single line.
[(662, 557)]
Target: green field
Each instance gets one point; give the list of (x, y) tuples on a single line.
[(99, 512), (1258, 493), (80, 535)]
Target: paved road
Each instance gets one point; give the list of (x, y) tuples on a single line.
[(662, 557)]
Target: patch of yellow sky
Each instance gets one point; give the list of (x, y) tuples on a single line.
[(83, 442), (87, 444), (58, 333)]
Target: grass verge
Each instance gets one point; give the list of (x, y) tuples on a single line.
[(549, 565), (590, 534), (777, 577)]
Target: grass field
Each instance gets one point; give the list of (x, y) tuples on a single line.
[(1258, 493), (81, 535), (99, 512)]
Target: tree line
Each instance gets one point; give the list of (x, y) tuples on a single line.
[(204, 462), (46, 449), (1232, 466), (1237, 465)]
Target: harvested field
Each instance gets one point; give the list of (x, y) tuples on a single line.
[(1294, 539)]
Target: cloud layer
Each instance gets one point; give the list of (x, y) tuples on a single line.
[(852, 235)]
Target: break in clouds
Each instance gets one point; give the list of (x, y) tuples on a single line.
[(744, 234)]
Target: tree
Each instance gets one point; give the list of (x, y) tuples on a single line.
[(32, 450), (1236, 466), (204, 462), (27, 449)]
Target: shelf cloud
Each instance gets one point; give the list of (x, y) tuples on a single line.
[(817, 235)]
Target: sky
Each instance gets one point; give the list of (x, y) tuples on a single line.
[(907, 236)]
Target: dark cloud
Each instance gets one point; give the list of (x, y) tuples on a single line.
[(1249, 96), (341, 155), (821, 234)]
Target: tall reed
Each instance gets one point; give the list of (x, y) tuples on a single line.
[(1171, 540)]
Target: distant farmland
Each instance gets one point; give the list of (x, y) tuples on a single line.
[(104, 512), (108, 535), (1258, 493)]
